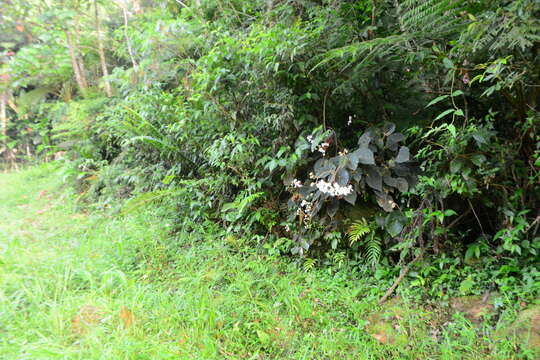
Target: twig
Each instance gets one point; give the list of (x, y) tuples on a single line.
[(477, 219), (404, 272), (324, 108), (535, 222), (458, 219)]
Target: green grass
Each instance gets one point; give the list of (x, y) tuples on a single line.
[(101, 286)]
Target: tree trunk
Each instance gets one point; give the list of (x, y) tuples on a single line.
[(128, 41), (78, 53), (101, 49), (3, 113), (74, 64)]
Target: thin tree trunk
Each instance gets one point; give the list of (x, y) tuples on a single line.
[(3, 113), (102, 60), (128, 41), (74, 63), (78, 53)]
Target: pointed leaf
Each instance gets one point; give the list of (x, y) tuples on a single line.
[(436, 100), (394, 139), (365, 139), (402, 185), (374, 179), (443, 114), (394, 228), (351, 198), (390, 181), (385, 201), (342, 177), (389, 128), (333, 207), (403, 155), (365, 156)]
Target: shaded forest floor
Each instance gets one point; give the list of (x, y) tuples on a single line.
[(96, 285)]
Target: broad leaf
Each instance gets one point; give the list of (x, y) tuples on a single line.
[(393, 140), (351, 198), (374, 179), (365, 139), (403, 155), (365, 156), (342, 177)]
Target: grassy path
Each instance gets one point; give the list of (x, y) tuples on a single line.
[(79, 286)]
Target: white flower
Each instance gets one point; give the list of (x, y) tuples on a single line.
[(305, 208), (296, 183), (322, 148), (310, 139), (287, 228), (350, 121), (334, 189)]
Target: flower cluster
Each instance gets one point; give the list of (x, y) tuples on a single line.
[(322, 148), (296, 183), (305, 207), (334, 189)]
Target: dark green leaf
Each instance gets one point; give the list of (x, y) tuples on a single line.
[(403, 155), (436, 100), (402, 185), (455, 166), (389, 128), (394, 139), (351, 198), (394, 228), (342, 177), (333, 207), (443, 114), (478, 159), (365, 139), (385, 201), (365, 156), (374, 179)]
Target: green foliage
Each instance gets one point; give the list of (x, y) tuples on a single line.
[(218, 105)]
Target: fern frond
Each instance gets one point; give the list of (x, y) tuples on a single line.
[(373, 250), (309, 264), (429, 16), (147, 198), (358, 230)]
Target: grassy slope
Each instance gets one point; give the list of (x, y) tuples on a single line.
[(78, 286)]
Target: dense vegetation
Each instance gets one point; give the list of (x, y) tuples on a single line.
[(397, 137)]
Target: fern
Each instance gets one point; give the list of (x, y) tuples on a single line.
[(429, 17), (309, 264), (421, 21), (372, 249), (362, 230), (500, 30), (233, 211), (147, 198), (358, 230)]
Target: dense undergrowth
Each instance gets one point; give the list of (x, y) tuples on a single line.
[(374, 135), (100, 285)]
